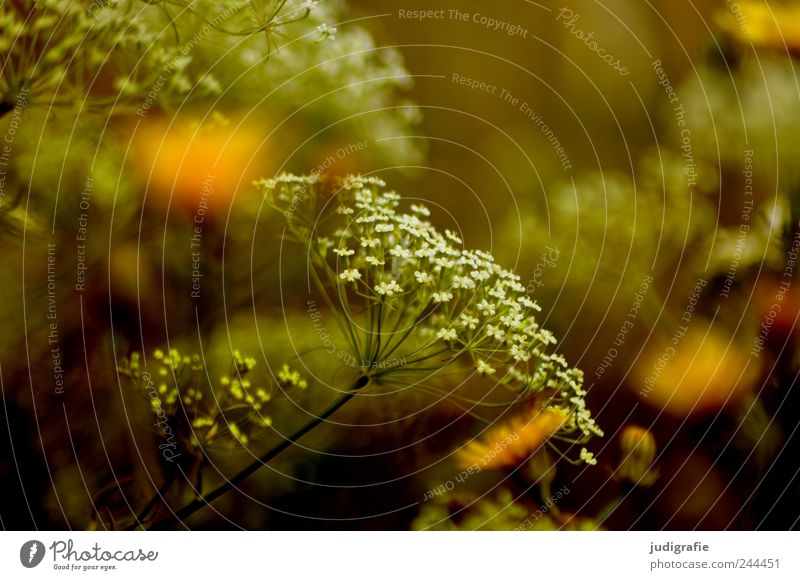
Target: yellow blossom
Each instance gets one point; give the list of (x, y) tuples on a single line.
[(772, 26), (509, 444)]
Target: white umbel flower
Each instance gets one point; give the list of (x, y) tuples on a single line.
[(400, 252), (422, 278), (350, 275), (486, 308), (447, 334), (588, 457), (421, 210), (409, 268), (388, 288), (484, 368), (519, 353), (439, 297)]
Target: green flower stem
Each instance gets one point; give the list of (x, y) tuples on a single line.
[(199, 503), (608, 511), (378, 333), (411, 326), (346, 326)]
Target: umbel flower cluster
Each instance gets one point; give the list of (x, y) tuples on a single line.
[(143, 45), (401, 290), (199, 414)]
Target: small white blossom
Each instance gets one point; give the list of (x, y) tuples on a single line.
[(497, 292), (343, 252), (447, 334), (350, 275), (452, 237), (425, 251), (423, 277), (400, 252), (420, 209), (588, 457), (485, 369), (486, 308), (388, 289), (463, 282), (512, 320), (468, 321), (439, 297), (519, 353), (326, 31), (481, 275), (548, 338), (495, 332)]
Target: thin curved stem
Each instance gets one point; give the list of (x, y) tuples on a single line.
[(608, 511), (200, 502), (153, 501)]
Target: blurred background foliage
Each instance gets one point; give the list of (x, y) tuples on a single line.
[(144, 105)]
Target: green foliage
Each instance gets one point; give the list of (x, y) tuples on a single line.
[(98, 53), (200, 410)]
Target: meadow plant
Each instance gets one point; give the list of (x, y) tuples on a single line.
[(193, 412), (401, 290), (63, 52)]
